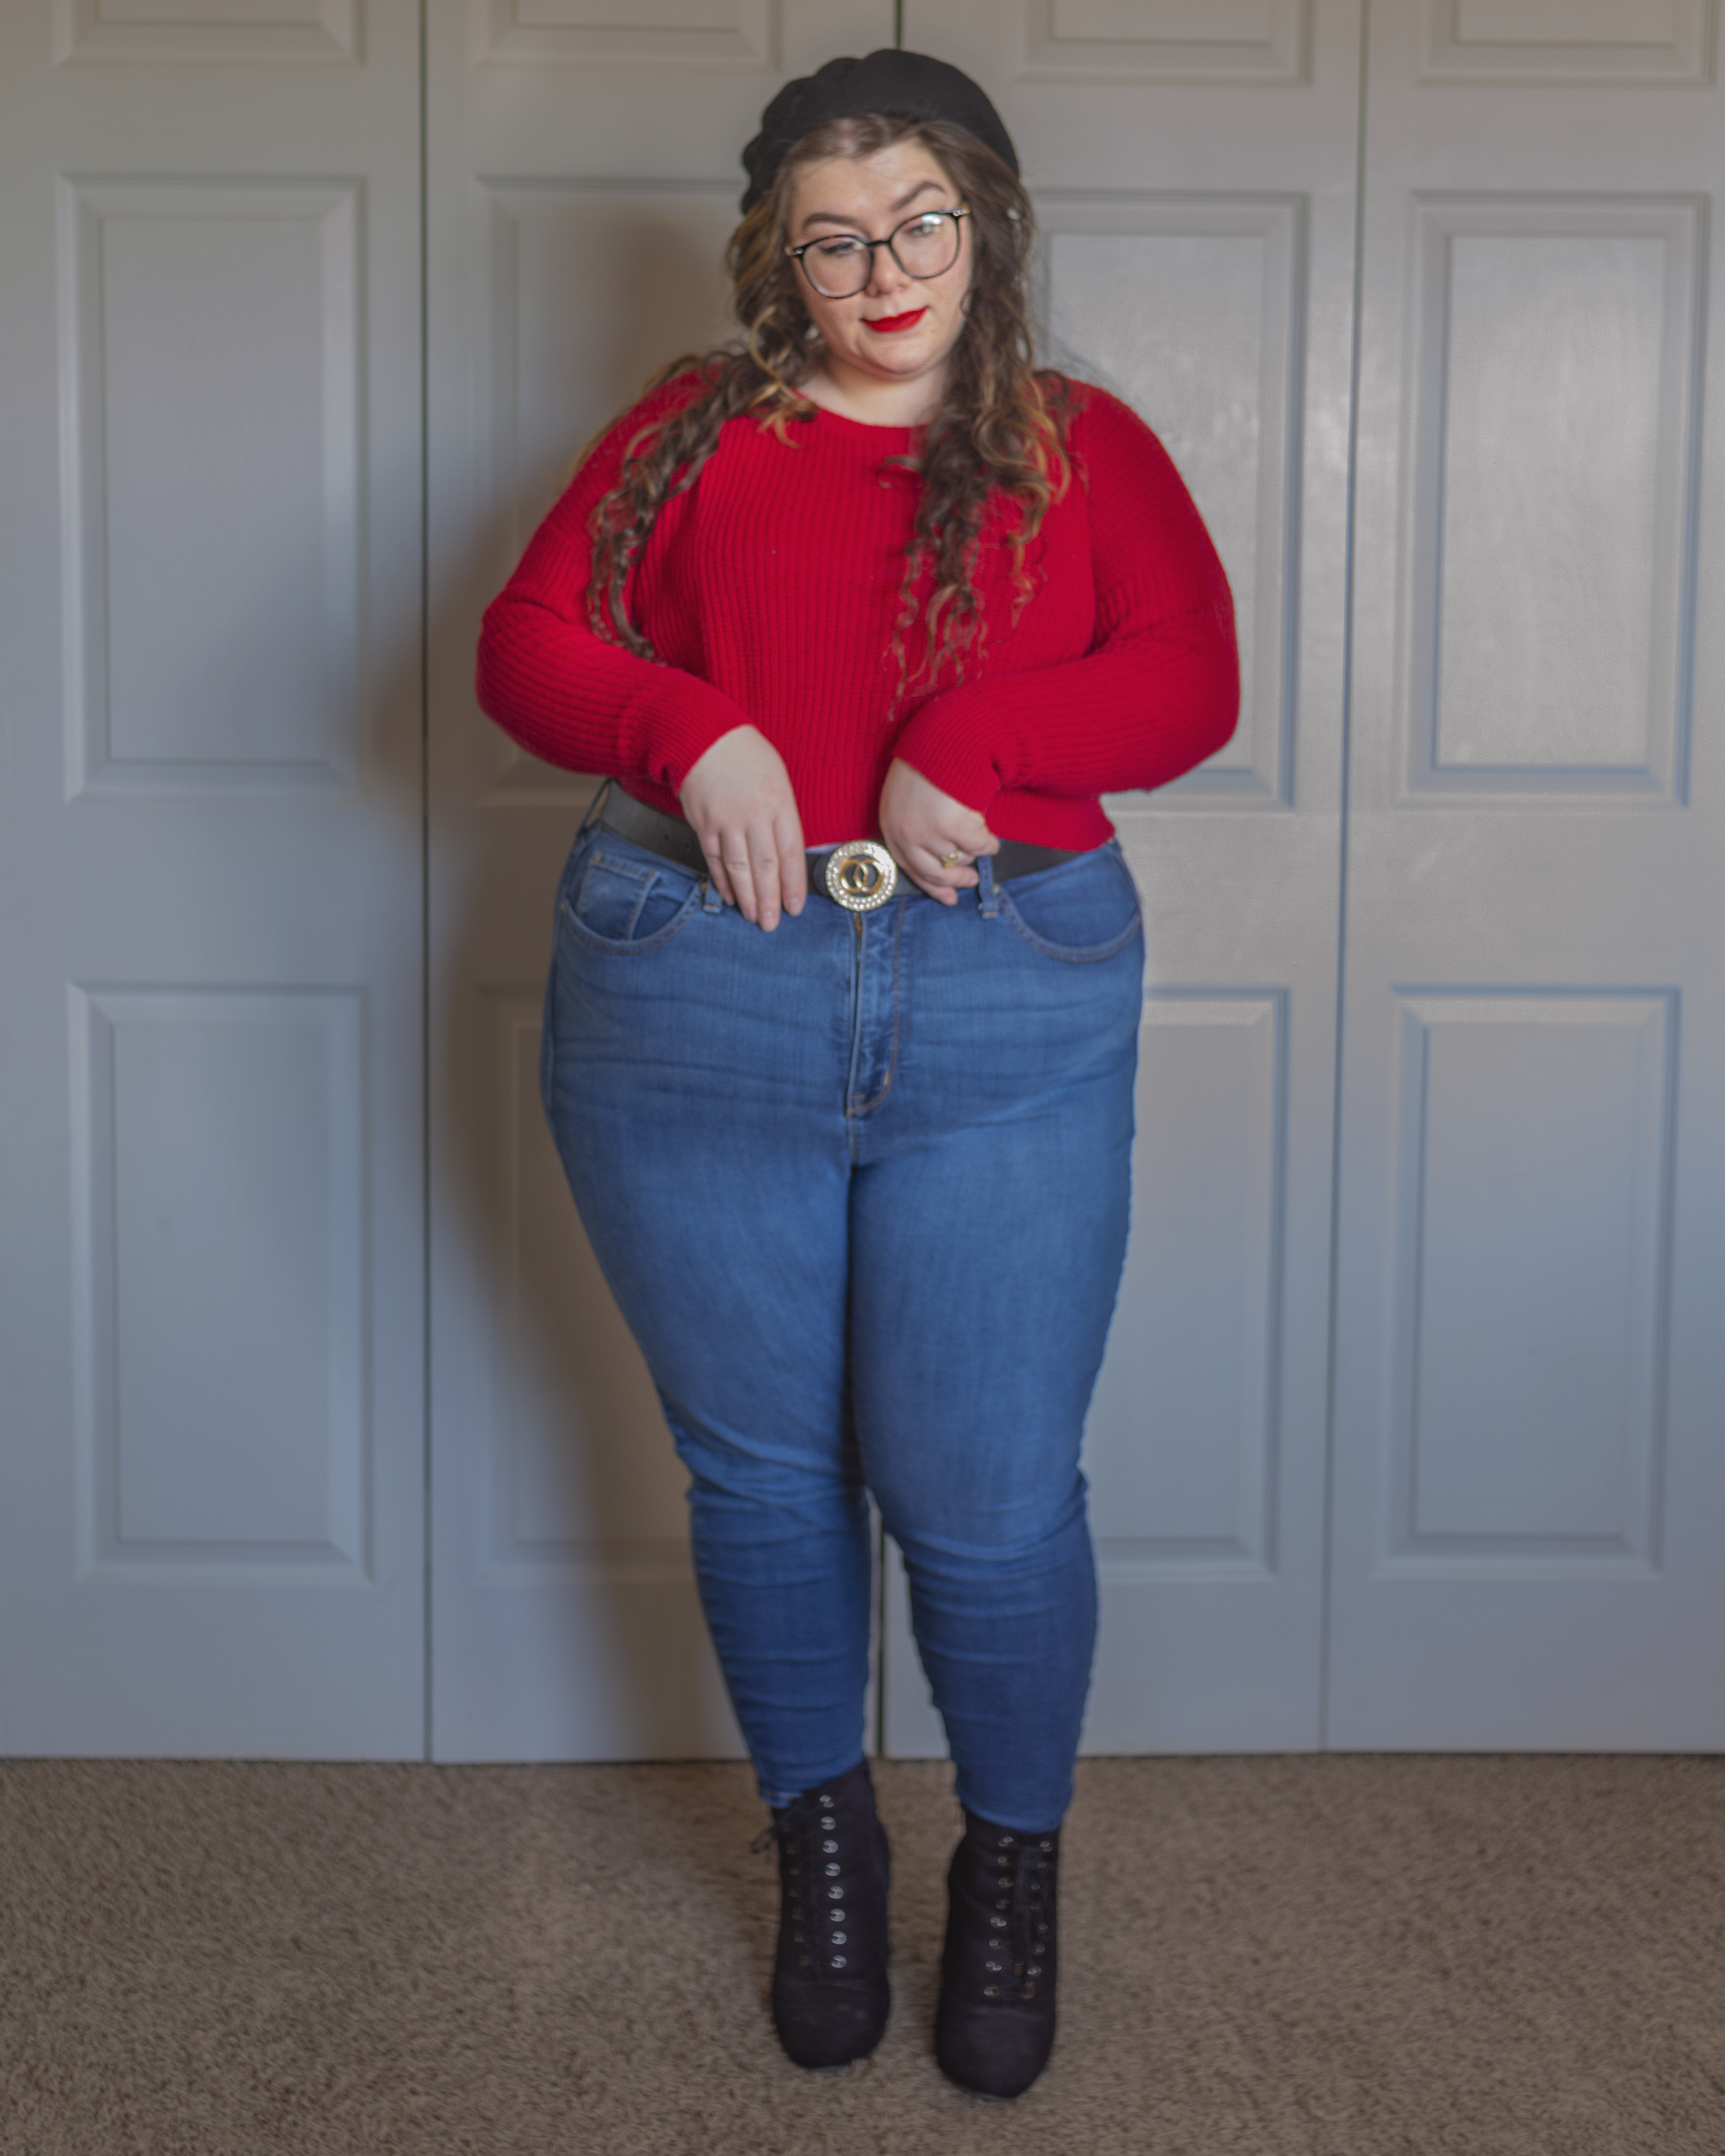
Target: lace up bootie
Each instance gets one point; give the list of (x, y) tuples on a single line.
[(994, 2024), (830, 1996)]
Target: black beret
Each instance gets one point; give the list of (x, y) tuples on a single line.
[(887, 81)]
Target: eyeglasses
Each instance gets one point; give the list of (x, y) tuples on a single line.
[(841, 266)]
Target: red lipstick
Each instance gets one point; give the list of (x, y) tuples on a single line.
[(886, 324)]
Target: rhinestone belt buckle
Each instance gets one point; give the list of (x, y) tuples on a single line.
[(861, 876)]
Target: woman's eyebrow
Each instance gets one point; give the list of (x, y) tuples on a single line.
[(833, 217)]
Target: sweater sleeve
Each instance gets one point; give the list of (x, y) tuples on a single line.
[(566, 693), (1159, 690)]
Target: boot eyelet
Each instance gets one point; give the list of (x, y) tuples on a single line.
[(829, 1848), (838, 1938), (832, 1871), (838, 1961)]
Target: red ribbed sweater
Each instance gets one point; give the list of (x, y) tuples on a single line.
[(769, 590)]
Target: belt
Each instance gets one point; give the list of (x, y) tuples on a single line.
[(859, 876)]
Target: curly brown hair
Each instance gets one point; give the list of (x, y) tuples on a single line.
[(999, 429)]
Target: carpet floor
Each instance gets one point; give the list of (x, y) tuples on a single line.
[(1335, 1956)]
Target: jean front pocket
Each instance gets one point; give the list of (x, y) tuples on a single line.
[(1082, 911), (622, 899)]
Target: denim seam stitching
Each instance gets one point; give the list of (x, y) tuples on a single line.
[(592, 941), (867, 1107), (1092, 955)]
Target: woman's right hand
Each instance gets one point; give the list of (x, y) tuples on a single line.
[(738, 800)]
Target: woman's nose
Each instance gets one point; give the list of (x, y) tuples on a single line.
[(886, 275)]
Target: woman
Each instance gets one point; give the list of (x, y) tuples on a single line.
[(861, 618)]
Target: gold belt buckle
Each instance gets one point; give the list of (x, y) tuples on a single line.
[(861, 876)]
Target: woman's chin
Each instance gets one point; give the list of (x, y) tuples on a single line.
[(902, 357)]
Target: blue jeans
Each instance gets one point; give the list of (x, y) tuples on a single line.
[(860, 1189)]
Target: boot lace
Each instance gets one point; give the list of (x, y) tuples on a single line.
[(1020, 1922), (817, 1889)]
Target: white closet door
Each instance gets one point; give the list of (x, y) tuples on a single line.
[(1193, 169), (210, 1327), (584, 167), (1530, 1478)]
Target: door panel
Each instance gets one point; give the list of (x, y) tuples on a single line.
[(1502, 42), (212, 1335), (584, 176), (1555, 421), (164, 448), (1193, 309), (252, 1451), (1198, 254), (1532, 1203), (1157, 42), (1528, 1477)]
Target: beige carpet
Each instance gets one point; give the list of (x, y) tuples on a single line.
[(1324, 1957)]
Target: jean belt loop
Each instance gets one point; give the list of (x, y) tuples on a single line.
[(593, 807), (988, 896), (711, 902)]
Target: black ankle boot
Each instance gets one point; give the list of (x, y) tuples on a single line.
[(995, 2023), (830, 1996)]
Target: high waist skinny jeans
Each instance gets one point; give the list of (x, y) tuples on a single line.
[(860, 1189)]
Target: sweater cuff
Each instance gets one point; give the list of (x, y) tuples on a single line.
[(949, 742), (676, 720)]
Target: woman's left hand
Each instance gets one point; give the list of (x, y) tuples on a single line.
[(923, 828)]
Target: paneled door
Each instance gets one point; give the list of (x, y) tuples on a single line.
[(1497, 822), (210, 1071), (1530, 1476), (585, 174), (1193, 170)]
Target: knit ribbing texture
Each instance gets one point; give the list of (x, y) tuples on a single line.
[(770, 591)]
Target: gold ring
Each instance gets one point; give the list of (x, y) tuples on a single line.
[(951, 860)]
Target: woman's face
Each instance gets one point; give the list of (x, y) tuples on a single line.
[(898, 329)]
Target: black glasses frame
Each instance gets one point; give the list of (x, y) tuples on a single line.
[(797, 254)]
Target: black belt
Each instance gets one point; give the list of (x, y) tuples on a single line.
[(674, 840)]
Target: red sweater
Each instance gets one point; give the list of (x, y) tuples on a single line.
[(769, 590)]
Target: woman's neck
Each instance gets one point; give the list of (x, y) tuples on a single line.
[(854, 395)]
